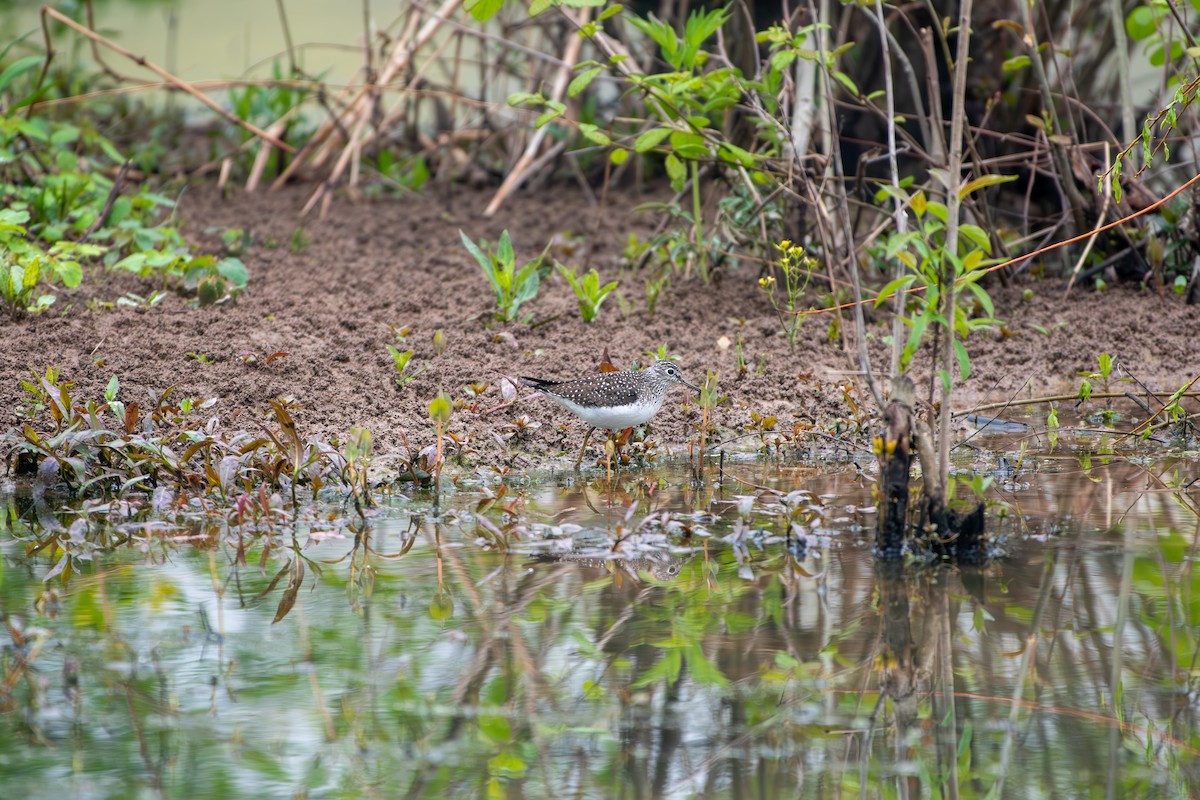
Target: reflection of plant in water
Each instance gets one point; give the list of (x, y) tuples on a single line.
[(410, 655)]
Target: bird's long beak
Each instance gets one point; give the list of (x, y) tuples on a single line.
[(691, 386)]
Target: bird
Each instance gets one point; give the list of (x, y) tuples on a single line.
[(614, 400)]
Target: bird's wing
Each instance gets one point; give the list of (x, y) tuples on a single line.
[(582, 391)]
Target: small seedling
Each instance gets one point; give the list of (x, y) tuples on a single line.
[(26, 266), (203, 358), (1103, 375), (978, 484), (439, 414), (236, 241), (588, 290), (401, 360), (662, 352), (654, 290), (300, 240), (513, 287)]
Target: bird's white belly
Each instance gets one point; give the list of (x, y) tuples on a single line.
[(614, 418)]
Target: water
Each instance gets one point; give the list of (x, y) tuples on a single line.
[(440, 656)]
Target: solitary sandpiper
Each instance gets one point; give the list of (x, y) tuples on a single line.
[(614, 400)]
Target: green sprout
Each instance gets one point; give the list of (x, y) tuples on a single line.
[(587, 290), (513, 287)]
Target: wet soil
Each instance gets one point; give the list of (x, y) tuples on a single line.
[(371, 267)]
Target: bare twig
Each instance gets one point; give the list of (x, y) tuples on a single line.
[(517, 174), (175, 82)]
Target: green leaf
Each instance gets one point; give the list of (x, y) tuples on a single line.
[(518, 99), (594, 134), (504, 251), (234, 271), (110, 391), (1015, 63), (485, 263), (650, 139), (676, 171), (689, 145), (18, 68), (1140, 23), (495, 727), (977, 235), (581, 81), (547, 117), (64, 135), (983, 181), (483, 10), (69, 272), (845, 80), (733, 153), (539, 6), (618, 156), (440, 409), (985, 300), (964, 361), (210, 290), (893, 288)]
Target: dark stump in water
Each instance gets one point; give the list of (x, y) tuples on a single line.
[(940, 530)]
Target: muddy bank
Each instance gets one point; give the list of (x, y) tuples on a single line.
[(371, 268)]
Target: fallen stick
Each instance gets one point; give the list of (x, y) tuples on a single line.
[(178, 83), (321, 147)]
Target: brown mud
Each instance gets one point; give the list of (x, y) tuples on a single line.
[(399, 263)]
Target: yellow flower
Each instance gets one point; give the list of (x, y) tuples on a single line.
[(785, 245), (766, 282)]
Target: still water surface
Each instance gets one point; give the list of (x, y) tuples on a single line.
[(415, 657)]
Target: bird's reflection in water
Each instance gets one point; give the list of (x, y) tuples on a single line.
[(659, 566)]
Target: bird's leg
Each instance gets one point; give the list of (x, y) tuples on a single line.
[(587, 435)]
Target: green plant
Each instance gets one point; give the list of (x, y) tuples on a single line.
[(708, 401), (796, 268), (356, 455), (213, 280), (300, 240), (928, 262), (1103, 375), (440, 409), (513, 287), (277, 104), (661, 353), (68, 211), (654, 290), (401, 360), (236, 240), (588, 290), (403, 173), (116, 448), (25, 265)]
